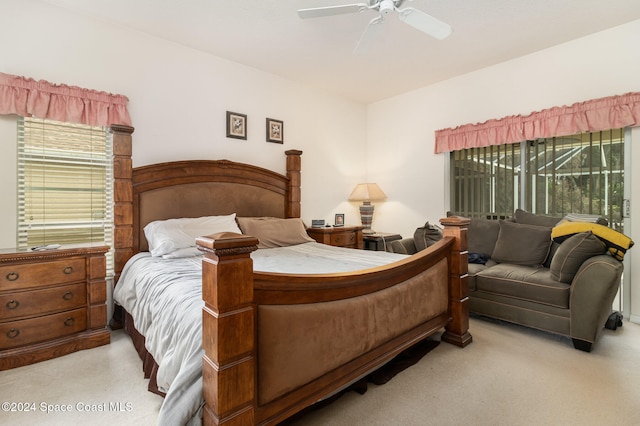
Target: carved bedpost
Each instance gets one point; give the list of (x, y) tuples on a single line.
[(122, 197), (294, 165), (122, 206), (457, 331), (228, 329)]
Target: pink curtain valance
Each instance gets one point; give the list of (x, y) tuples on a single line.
[(591, 116), (27, 97)]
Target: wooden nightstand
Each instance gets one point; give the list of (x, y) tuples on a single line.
[(52, 303), (379, 241), (339, 236)]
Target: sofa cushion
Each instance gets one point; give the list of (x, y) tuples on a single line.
[(474, 269), (527, 218), (572, 252), (617, 243), (524, 282), (521, 244), (403, 246), (426, 236), (552, 252), (482, 235)]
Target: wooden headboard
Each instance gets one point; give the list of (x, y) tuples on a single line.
[(206, 188), (192, 189)]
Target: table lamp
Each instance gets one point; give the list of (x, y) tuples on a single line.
[(367, 192)]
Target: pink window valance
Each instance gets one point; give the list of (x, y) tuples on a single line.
[(26, 97), (612, 112)]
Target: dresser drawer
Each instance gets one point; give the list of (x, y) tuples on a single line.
[(343, 239), (23, 276), (42, 301), (18, 333)]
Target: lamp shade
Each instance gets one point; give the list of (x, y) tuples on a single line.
[(367, 192)]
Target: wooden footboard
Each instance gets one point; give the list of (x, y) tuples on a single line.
[(276, 343)]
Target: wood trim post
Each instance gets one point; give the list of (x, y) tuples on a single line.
[(457, 331), (294, 165), (228, 329)]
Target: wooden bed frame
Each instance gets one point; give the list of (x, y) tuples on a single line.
[(240, 303)]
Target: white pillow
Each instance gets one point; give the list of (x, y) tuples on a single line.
[(183, 252), (167, 236)]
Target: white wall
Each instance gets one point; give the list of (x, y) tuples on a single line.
[(400, 135), (178, 98)]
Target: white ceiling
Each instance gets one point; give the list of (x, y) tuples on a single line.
[(269, 35)]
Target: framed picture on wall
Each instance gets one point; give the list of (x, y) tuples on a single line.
[(275, 131), (236, 125)]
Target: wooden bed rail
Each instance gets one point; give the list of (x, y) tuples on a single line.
[(230, 380)]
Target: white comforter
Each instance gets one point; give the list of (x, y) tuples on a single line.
[(165, 300)]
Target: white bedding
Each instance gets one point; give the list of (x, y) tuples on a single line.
[(165, 300)]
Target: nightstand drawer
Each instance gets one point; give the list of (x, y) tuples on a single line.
[(17, 277), (343, 239), (18, 333), (25, 303), (343, 236)]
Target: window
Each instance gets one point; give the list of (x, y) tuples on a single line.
[(582, 173), (65, 189)]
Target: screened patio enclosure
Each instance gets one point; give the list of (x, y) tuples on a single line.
[(582, 173)]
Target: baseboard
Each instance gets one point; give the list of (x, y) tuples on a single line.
[(634, 319)]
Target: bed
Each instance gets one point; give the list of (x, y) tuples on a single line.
[(274, 343)]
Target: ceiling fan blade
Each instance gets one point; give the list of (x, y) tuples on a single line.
[(318, 12), (425, 23), (370, 36)]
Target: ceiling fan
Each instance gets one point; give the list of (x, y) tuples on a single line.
[(413, 17)]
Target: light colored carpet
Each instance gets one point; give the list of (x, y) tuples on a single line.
[(509, 375), (108, 377)]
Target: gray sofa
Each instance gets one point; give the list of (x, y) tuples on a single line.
[(518, 274)]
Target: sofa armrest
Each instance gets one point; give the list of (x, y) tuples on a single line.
[(593, 290), (403, 246)]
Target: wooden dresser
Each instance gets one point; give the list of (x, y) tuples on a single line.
[(51, 303), (339, 236)]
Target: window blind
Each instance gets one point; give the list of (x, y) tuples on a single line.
[(65, 184), (485, 181)]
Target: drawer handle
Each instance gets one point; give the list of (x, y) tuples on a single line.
[(67, 296), (13, 333), (12, 276), (68, 270), (69, 322), (12, 304)]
